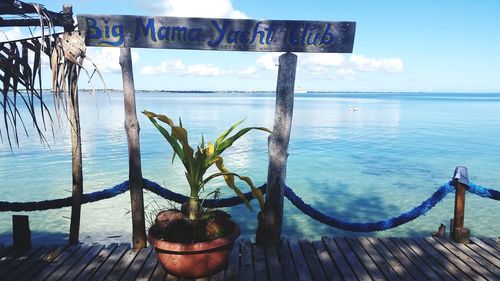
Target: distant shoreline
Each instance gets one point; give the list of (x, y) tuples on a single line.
[(272, 92)]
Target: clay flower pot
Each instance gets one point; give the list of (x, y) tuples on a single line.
[(195, 259)]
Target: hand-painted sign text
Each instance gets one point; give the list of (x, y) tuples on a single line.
[(218, 34)]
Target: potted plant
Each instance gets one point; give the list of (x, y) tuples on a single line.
[(197, 241)]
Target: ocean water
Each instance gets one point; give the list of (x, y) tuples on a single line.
[(373, 163)]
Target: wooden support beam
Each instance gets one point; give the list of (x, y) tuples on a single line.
[(21, 233), (134, 153), (76, 155), (269, 229), (76, 144), (458, 232)]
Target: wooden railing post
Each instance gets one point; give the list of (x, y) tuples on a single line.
[(76, 141), (134, 152), (21, 233), (269, 229), (458, 232)]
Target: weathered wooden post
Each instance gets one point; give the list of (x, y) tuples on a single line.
[(269, 229), (76, 141), (458, 232), (134, 152), (76, 159), (21, 233)]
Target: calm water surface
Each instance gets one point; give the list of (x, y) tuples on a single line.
[(384, 158)]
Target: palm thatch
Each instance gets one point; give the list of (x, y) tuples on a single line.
[(21, 67)]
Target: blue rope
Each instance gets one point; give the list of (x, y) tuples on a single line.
[(63, 202), (414, 213), (209, 203), (483, 192), (371, 226)]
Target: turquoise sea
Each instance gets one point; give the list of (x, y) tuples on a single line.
[(368, 164)]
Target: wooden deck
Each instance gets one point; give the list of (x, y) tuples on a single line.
[(361, 258)]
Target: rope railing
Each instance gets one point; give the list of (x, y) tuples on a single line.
[(154, 187)]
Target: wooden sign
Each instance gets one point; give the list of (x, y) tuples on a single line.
[(218, 34)]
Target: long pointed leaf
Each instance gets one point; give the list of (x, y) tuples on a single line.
[(227, 132), (229, 141), (173, 143), (232, 186)]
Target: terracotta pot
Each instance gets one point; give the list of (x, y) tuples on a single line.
[(195, 259)]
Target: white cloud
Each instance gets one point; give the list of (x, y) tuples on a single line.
[(268, 61), (195, 8), (251, 70), (106, 59), (179, 68), (380, 64), (316, 59), (346, 73), (203, 70), (165, 67)]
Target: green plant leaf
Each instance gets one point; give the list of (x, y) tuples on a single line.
[(229, 141), (238, 192), (171, 140), (227, 132)]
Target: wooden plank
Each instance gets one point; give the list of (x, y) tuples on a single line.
[(299, 261), (83, 262), (96, 263), (328, 265), (122, 265), (416, 259), (169, 277), (217, 34), (68, 264), (485, 246), (492, 242), (494, 261), (18, 259), (233, 265), (29, 263), (39, 265), (259, 260), (273, 264), (218, 276), (390, 258), (312, 260), (246, 269), (110, 263), (351, 258), (403, 259), (136, 266), (4, 250), (365, 259), (339, 259), (429, 259), (158, 273), (384, 267), (285, 256), (472, 258), (149, 266), (464, 262), (445, 263), (10, 256), (58, 261)]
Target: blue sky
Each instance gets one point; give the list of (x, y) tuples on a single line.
[(442, 46)]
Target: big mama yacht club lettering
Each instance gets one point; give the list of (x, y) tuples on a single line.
[(218, 34)]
